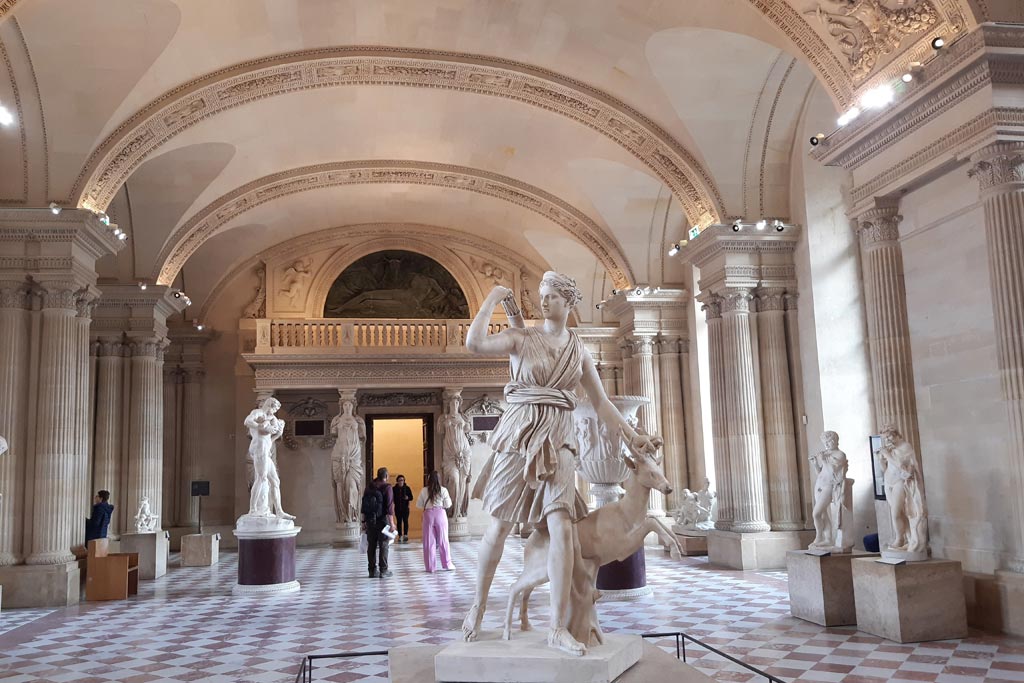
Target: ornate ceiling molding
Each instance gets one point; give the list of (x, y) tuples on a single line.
[(187, 239), (6, 8), (138, 138)]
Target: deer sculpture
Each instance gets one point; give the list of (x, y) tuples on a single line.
[(610, 533)]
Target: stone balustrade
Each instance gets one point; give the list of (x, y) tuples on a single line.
[(349, 335)]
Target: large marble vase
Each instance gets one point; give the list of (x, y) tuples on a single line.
[(601, 464)]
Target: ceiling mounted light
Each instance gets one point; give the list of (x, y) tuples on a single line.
[(761, 224), (850, 115), (199, 327), (177, 295), (779, 225), (878, 97), (55, 208), (674, 249), (938, 42), (123, 237), (907, 77), (142, 286), (814, 141), (6, 117)]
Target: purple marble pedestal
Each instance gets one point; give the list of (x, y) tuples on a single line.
[(625, 580), (266, 561)]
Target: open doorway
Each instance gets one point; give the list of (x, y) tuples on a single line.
[(403, 444)]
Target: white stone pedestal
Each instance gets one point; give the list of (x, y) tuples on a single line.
[(911, 602), (152, 548), (527, 659), (43, 585), (346, 535), (458, 529), (415, 664), (821, 587), (692, 541), (200, 550), (763, 550)]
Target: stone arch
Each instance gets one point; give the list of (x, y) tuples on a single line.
[(142, 135), (189, 237), (336, 265)]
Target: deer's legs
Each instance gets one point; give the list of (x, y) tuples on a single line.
[(664, 535), (491, 547)]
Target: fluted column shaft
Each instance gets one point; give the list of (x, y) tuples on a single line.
[(173, 379), (746, 455), (13, 361), (885, 295), (647, 415), (191, 445), (145, 433), (58, 465), (719, 415), (673, 423), (110, 409), (83, 416), (1000, 171), (777, 399)]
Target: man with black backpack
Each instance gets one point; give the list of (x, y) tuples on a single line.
[(378, 513)]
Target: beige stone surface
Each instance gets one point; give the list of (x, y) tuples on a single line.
[(821, 588), (692, 545), (415, 664), (764, 550), (56, 585), (910, 602), (152, 549), (200, 550)]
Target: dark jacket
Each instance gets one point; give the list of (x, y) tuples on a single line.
[(96, 526), (402, 496)]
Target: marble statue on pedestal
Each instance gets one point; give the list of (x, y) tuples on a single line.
[(265, 428), (347, 462), (833, 496), (454, 431), (904, 493), (530, 475), (145, 520), (696, 509)]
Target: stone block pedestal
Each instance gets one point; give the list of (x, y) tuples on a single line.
[(152, 548), (692, 541), (200, 550), (764, 550), (625, 580), (911, 602), (821, 588), (44, 585), (458, 529), (346, 535), (266, 561)]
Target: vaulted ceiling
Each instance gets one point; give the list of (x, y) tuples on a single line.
[(215, 130)]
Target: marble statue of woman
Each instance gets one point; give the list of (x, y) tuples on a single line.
[(265, 428), (904, 492), (347, 462), (530, 475), (831, 513), (455, 463)]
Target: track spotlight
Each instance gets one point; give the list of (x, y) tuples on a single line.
[(761, 224), (177, 295), (143, 286), (907, 77), (55, 208), (779, 225), (938, 42), (123, 237), (814, 141), (199, 327), (737, 225), (674, 249), (598, 306), (615, 292)]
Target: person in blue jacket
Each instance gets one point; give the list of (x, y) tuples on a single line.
[(96, 525)]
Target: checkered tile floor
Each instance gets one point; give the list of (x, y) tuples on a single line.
[(187, 626)]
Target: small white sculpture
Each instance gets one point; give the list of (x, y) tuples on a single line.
[(3, 449), (295, 277), (145, 520), (904, 493), (696, 508), (264, 430), (454, 430), (347, 462), (833, 497), (708, 500)]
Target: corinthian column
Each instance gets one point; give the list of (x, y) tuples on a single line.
[(13, 361), (83, 415), (672, 412), (885, 297), (647, 415), (777, 399), (58, 466), (191, 445), (746, 456), (145, 430), (999, 169), (106, 473), (712, 308)]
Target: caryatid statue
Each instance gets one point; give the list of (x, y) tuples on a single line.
[(455, 455), (265, 428), (347, 462), (832, 496), (904, 492)]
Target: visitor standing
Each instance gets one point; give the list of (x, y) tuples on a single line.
[(434, 499), (378, 513), (96, 525), (402, 495)]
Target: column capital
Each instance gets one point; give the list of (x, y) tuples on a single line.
[(771, 299), (14, 295), (711, 304), (673, 344), (791, 300), (737, 301), (149, 347), (880, 223), (57, 295), (999, 167), (643, 345)]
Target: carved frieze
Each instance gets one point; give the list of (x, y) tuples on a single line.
[(399, 399), (257, 308)]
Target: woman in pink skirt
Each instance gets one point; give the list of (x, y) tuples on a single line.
[(434, 500)]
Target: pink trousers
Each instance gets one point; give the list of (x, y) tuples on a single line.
[(435, 538)]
